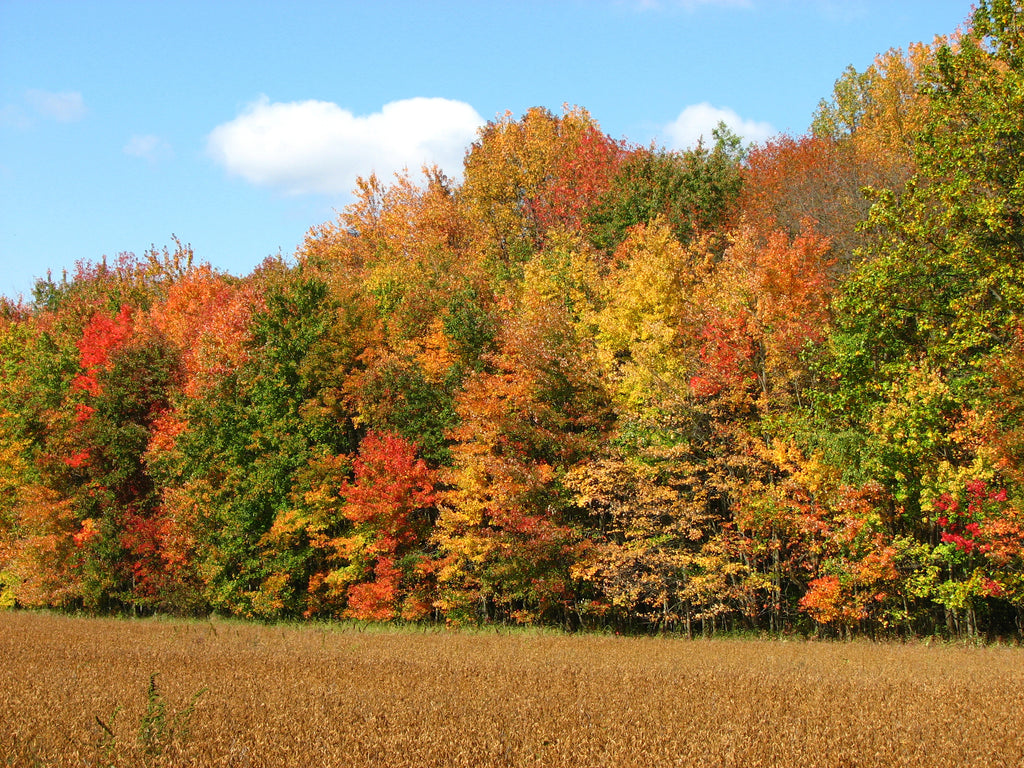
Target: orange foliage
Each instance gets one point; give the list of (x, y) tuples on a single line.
[(47, 555)]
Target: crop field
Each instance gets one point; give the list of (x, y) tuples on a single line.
[(77, 691)]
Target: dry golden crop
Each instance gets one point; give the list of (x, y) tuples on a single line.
[(93, 692)]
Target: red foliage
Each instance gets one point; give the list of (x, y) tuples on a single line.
[(78, 460), (792, 286), (582, 173), (390, 485), (220, 343), (375, 600), (979, 520), (790, 180), (146, 538), (88, 532), (201, 303), (770, 299), (824, 600), (391, 492), (102, 336), (727, 353), (166, 428), (83, 412)]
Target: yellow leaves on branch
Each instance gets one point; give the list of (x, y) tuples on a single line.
[(883, 108), (514, 185)]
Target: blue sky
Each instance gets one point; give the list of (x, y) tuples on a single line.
[(237, 126)]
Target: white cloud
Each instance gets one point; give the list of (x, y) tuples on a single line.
[(66, 107), (318, 147), (148, 147), (699, 120)]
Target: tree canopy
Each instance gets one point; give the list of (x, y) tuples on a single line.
[(589, 384)]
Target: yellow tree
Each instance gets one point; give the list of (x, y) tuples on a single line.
[(882, 109), (647, 320), (524, 176), (507, 532)]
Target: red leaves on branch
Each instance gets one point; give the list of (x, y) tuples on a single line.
[(978, 521), (101, 337), (769, 299), (375, 600), (206, 317), (727, 353), (583, 172), (78, 460), (789, 181), (146, 538), (389, 502), (390, 485)]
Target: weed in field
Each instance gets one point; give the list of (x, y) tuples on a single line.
[(107, 742), (157, 730)]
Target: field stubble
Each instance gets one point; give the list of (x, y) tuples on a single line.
[(77, 691)]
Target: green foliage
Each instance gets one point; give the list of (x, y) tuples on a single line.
[(248, 439), (397, 395), (941, 287), (469, 327), (159, 729), (694, 191)]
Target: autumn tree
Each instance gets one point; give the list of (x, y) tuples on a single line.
[(524, 176), (881, 109), (790, 183), (248, 437), (95, 376), (506, 532), (693, 191), (381, 566), (939, 295), (414, 307)]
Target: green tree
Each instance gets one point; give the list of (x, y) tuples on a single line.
[(908, 392), (248, 439), (693, 191)]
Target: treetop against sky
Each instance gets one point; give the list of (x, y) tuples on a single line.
[(238, 126)]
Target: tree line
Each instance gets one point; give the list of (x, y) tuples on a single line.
[(592, 384)]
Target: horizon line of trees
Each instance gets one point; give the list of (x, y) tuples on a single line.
[(592, 385)]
